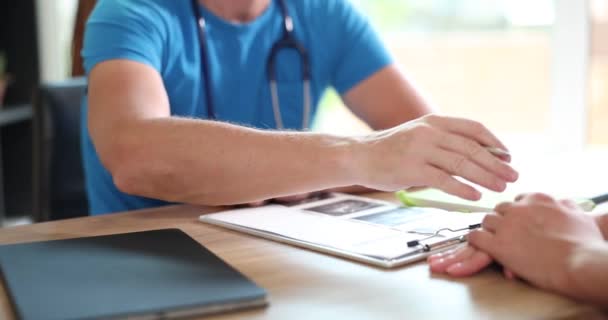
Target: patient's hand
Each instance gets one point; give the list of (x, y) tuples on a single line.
[(539, 238)]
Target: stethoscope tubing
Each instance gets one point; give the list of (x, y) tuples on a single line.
[(287, 41)]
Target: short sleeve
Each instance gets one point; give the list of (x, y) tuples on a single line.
[(124, 29), (357, 49)]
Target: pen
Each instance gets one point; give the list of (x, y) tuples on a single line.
[(499, 153), (591, 203)]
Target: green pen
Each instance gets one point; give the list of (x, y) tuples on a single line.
[(591, 203), (438, 199)]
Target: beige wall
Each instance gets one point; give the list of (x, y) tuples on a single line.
[(501, 79)]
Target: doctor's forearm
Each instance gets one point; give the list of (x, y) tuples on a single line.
[(204, 162)]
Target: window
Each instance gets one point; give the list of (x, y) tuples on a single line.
[(511, 64), (55, 24), (598, 113)]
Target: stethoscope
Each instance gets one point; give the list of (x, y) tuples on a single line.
[(287, 41)]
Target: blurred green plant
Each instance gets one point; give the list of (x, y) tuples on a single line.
[(387, 14)]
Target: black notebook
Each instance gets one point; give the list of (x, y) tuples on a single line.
[(147, 275)]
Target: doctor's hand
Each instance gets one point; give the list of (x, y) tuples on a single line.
[(430, 152)]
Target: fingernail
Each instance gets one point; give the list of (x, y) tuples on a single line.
[(476, 195), (435, 256), (454, 267), (435, 264), (500, 186)]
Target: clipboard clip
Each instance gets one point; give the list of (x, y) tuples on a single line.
[(447, 242)]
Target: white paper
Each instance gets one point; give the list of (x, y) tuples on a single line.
[(383, 235)]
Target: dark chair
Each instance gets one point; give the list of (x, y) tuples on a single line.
[(59, 186)]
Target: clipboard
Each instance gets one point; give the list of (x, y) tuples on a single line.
[(357, 228)]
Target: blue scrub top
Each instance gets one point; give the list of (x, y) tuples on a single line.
[(343, 51)]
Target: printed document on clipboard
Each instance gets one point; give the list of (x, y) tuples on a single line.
[(363, 229)]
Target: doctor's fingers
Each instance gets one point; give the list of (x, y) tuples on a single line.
[(434, 177), (467, 128), (460, 165), (479, 155)]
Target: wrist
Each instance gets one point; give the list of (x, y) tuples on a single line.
[(346, 154), (358, 161)]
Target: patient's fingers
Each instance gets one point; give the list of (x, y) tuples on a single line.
[(535, 196), (502, 207), (491, 222), (441, 263), (443, 254), (475, 263)]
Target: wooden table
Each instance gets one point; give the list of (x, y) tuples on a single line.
[(304, 284)]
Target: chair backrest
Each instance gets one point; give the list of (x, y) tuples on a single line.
[(59, 186)]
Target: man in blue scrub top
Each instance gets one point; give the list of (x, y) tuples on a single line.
[(148, 138)]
